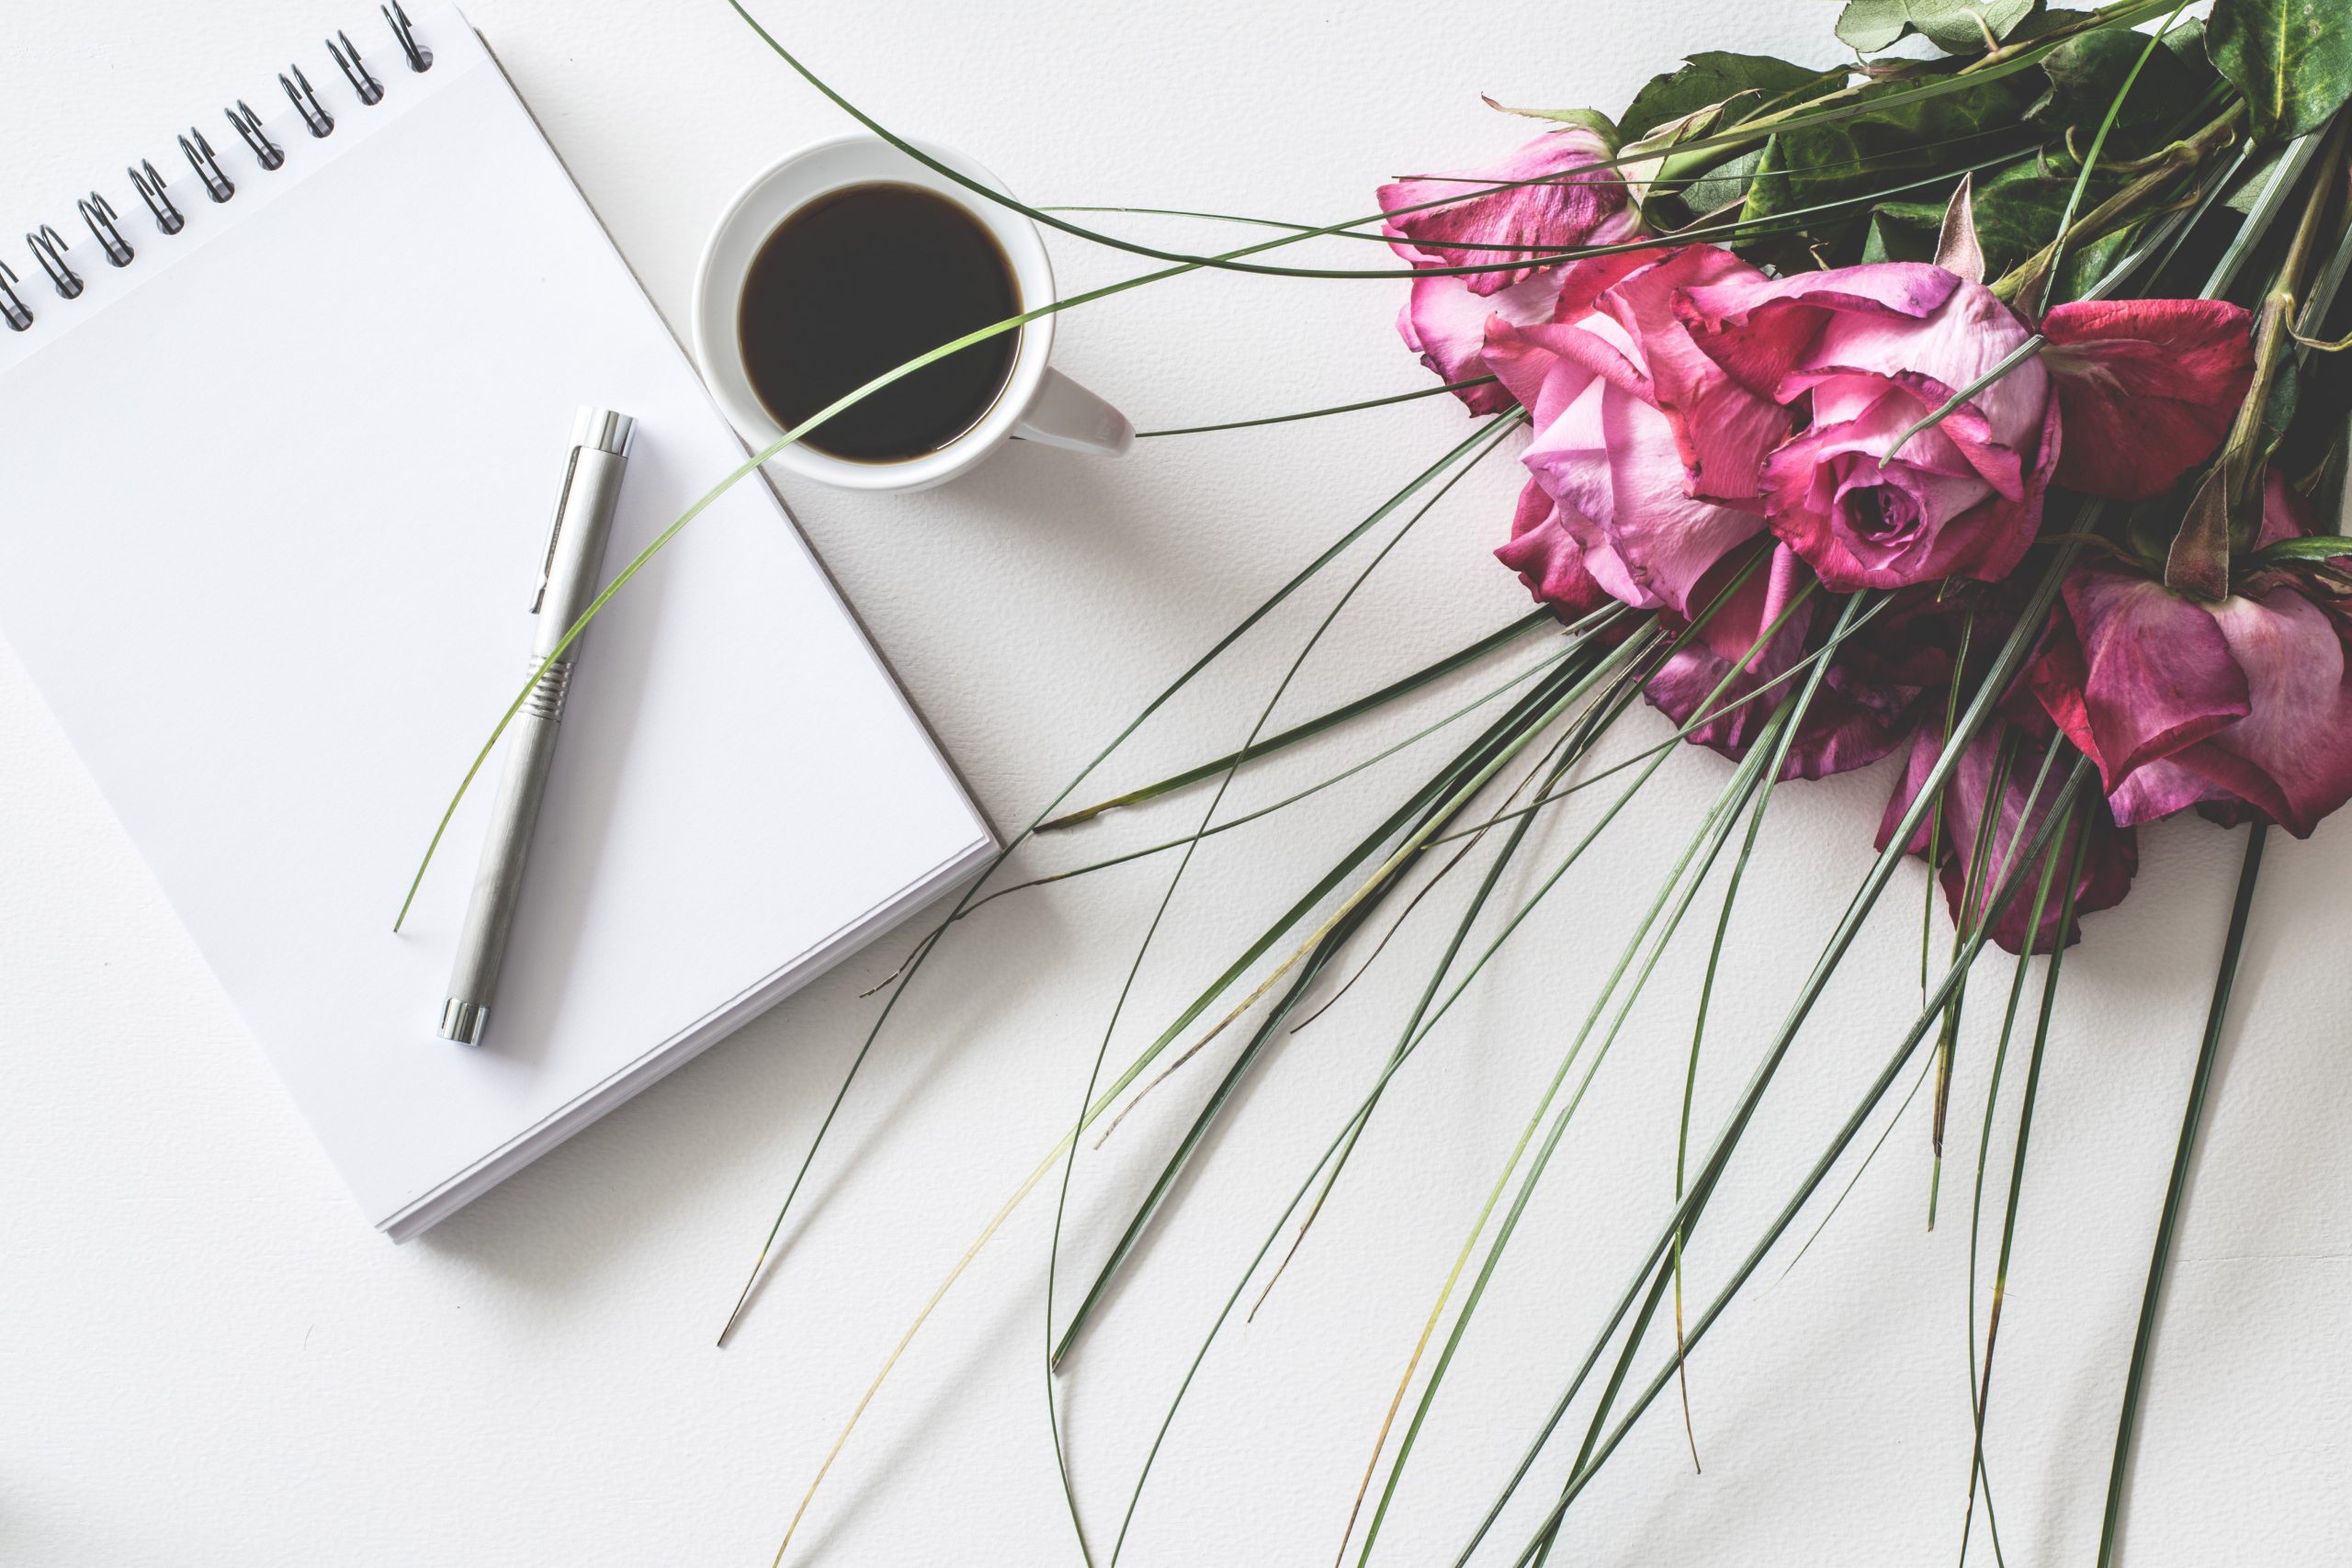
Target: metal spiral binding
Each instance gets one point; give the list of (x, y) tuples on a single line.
[(207, 167), (419, 59), (306, 103), (12, 310), (354, 70), (100, 215), (149, 185), (49, 247), (265, 152)]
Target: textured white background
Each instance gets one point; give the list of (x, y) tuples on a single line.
[(205, 1358)]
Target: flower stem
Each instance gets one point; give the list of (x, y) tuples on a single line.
[(2151, 1299)]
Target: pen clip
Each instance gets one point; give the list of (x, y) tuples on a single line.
[(555, 528)]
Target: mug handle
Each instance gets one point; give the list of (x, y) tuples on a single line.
[(1065, 414)]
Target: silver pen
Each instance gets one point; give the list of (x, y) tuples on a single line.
[(568, 574)]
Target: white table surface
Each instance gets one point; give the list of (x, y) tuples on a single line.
[(206, 1357)]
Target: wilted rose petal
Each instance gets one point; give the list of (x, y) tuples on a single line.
[(2290, 757), (2148, 386), (1872, 351), (1757, 328), (1731, 652), (1443, 323), (2111, 858), (2156, 670), (1611, 394), (1586, 204), (1548, 559), (2240, 706)]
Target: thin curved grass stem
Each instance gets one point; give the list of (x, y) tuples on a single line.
[(1860, 1172), (2004, 669), (1333, 1156), (1431, 797), (1981, 1392), (1333, 718), (1143, 949), (2177, 1187), (1526, 1137), (1848, 104), (1472, 384), (1403, 855), (1773, 744), (1248, 623), (1564, 755), (1229, 824), (2077, 779), (1713, 833), (1419, 1036), (1706, 715)]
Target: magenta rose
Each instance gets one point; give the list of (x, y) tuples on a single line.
[(1444, 319), (2146, 389), (2109, 860), (1890, 673), (2239, 707), (1869, 351), (1646, 453)]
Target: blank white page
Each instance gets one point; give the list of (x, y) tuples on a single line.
[(274, 502)]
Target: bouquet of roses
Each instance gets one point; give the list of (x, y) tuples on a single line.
[(1966, 403)]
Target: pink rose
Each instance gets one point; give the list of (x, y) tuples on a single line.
[(2110, 859), (1444, 319), (1647, 453), (1889, 674), (1870, 350), (2239, 707), (2146, 388)]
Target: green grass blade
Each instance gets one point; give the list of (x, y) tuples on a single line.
[(1716, 826), (1249, 623), (1981, 1392), (1335, 1154), (1143, 949), (1321, 412), (1311, 727), (1526, 718), (2177, 1187), (1843, 104), (2077, 779), (2003, 668)]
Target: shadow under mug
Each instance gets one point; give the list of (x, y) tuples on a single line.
[(1037, 403)]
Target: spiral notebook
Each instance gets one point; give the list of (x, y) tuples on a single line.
[(277, 477)]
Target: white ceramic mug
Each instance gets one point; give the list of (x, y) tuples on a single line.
[(1037, 403)]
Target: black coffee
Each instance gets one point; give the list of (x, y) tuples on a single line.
[(861, 281)]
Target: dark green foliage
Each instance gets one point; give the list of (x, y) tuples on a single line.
[(2085, 73), (2292, 59), (1853, 159), (1953, 26), (1713, 77)]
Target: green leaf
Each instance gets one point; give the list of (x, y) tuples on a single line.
[(1723, 186), (1715, 77), (1886, 149), (2186, 42), (2018, 207), (1899, 236), (2315, 547), (2087, 71), (1951, 26), (2292, 59), (1593, 121), (2286, 396)]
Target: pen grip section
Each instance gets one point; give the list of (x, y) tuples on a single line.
[(548, 689), (498, 882)]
